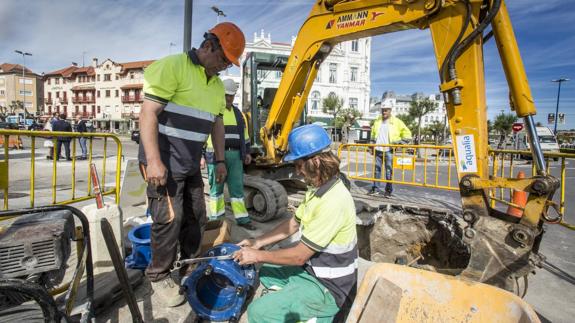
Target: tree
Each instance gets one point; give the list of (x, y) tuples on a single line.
[(332, 104), (418, 109), (409, 122), (16, 106), (345, 119), (435, 131), (503, 125)]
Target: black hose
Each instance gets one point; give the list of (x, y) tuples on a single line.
[(444, 65), (493, 10), (35, 292)]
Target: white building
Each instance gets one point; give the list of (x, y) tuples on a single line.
[(345, 72), (110, 93), (400, 104)]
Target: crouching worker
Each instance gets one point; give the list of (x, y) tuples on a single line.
[(317, 277)]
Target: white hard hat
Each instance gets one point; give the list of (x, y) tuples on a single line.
[(230, 86)]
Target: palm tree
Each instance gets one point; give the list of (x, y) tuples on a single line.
[(418, 109), (503, 124)]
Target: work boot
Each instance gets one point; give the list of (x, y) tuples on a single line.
[(387, 195), (247, 225), (168, 292)]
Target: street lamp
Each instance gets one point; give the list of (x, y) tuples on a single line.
[(24, 54), (218, 13), (560, 80)]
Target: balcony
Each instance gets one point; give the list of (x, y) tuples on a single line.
[(48, 101), (63, 100), (84, 114), (130, 115), (84, 100), (132, 99)]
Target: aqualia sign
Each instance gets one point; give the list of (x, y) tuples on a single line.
[(466, 153)]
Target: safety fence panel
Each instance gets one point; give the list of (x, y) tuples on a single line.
[(416, 165), (51, 181), (517, 163)]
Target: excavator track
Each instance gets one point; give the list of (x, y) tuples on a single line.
[(266, 199)]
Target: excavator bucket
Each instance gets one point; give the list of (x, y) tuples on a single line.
[(394, 293)]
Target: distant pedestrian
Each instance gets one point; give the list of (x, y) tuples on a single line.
[(81, 127), (48, 143), (386, 130), (64, 126), (55, 117)]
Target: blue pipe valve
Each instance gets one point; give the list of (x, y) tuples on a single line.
[(217, 289)]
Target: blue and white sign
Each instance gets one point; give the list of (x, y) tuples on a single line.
[(467, 154)]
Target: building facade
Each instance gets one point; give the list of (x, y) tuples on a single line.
[(345, 73), (109, 93), (19, 94), (400, 104)]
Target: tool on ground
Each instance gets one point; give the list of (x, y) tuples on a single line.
[(96, 185), (217, 290), (180, 263), (118, 263)]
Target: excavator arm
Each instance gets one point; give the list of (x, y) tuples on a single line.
[(500, 245)]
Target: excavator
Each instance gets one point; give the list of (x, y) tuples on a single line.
[(501, 248)]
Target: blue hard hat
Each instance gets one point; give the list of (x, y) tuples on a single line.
[(306, 141)]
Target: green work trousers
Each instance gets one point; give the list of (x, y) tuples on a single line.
[(235, 181), (300, 297)]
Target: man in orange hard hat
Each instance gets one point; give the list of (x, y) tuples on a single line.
[(184, 101)]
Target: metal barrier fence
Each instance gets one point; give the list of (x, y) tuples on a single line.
[(14, 137), (419, 165), (361, 162)]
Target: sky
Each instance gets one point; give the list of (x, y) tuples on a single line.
[(60, 32)]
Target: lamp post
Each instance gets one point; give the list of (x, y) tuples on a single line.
[(24, 54), (559, 80), (218, 13)]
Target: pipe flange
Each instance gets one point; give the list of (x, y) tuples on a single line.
[(469, 233), (469, 216), (521, 236)]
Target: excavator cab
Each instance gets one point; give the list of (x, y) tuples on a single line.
[(261, 75)]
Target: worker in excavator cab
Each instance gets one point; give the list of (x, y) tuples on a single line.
[(183, 104), (317, 277), (237, 147)]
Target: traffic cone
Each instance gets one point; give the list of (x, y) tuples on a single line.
[(519, 198)]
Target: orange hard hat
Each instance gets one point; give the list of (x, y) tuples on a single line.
[(231, 39)]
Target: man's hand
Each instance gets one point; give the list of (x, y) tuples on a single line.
[(248, 159), (221, 172), (202, 163), (251, 243), (247, 256), (157, 173)]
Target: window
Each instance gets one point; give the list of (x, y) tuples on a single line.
[(64, 80), (94, 110), (353, 103), (77, 110), (98, 77), (117, 77), (332, 73), (1, 92), (131, 75), (318, 75), (353, 74), (98, 93), (107, 77), (315, 100), (25, 81), (48, 81), (57, 94), (107, 93), (57, 81), (278, 75), (355, 45), (117, 93)]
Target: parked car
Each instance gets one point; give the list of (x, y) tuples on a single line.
[(136, 136)]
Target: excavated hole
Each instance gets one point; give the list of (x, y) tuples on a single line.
[(429, 241)]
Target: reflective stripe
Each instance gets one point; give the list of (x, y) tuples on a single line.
[(217, 206), (182, 134), (334, 272), (189, 111), (238, 207), (232, 136), (339, 249)]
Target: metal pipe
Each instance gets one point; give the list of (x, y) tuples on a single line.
[(188, 10), (536, 151)]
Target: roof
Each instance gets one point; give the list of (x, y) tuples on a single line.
[(132, 86), (135, 65), (13, 68), (65, 72), (84, 70)]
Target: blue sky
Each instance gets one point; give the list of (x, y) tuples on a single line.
[(58, 32)]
